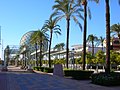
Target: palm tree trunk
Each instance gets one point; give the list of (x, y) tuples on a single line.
[(84, 34), (36, 54), (50, 48), (40, 53), (67, 41), (92, 48), (107, 37), (102, 46), (25, 59)]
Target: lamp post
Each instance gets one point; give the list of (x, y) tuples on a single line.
[(73, 60)]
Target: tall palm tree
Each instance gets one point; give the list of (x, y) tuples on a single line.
[(107, 70), (67, 9), (107, 37), (51, 26), (84, 33), (33, 41), (84, 3), (39, 37), (42, 37), (115, 29), (91, 39)]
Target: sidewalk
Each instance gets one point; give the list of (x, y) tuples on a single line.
[(15, 69), (40, 81)]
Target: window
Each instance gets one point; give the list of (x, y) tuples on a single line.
[(116, 42)]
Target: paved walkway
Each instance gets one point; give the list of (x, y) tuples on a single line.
[(21, 80)]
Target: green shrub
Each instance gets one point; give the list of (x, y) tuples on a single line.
[(48, 70), (36, 68), (104, 79), (78, 74), (44, 69)]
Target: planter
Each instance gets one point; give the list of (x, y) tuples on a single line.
[(58, 70)]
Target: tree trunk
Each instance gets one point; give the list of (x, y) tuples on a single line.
[(92, 48), (84, 34), (40, 53), (25, 59), (107, 37), (50, 48), (67, 41), (36, 54), (102, 46)]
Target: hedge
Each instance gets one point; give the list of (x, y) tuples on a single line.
[(44, 69), (78, 74), (112, 79)]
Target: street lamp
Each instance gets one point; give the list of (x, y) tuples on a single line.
[(72, 57)]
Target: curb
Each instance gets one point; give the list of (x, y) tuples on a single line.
[(42, 72)]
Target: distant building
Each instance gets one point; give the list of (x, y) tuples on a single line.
[(79, 48), (114, 44)]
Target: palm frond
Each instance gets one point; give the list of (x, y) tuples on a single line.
[(89, 13), (77, 22), (80, 16), (57, 32), (57, 29), (57, 26), (97, 1)]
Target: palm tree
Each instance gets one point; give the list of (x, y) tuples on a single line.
[(16, 59), (84, 3), (62, 45), (39, 37), (59, 47), (84, 33), (21, 50), (50, 25), (100, 41), (33, 41), (7, 54), (107, 70), (115, 29), (67, 9), (91, 39), (42, 37)]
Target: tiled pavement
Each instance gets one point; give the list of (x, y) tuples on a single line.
[(37, 81), (3, 81)]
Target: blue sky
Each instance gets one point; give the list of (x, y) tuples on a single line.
[(20, 16)]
